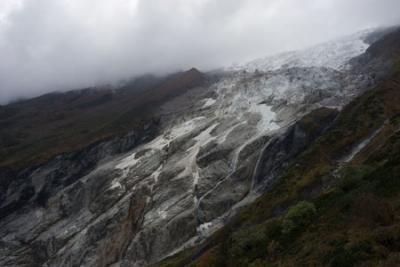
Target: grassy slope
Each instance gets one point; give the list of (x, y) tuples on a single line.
[(357, 219), (34, 131)]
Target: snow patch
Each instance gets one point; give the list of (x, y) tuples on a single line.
[(201, 139), (204, 229), (162, 214), (127, 162), (185, 127), (205, 136), (156, 174), (115, 184), (209, 102), (267, 117)]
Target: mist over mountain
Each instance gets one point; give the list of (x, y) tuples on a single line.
[(50, 45)]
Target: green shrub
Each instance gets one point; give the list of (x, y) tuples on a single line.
[(249, 244), (348, 256), (370, 210), (298, 216), (349, 180)]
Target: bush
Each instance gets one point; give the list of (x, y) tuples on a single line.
[(349, 181), (248, 244), (208, 259), (370, 210), (298, 216), (349, 255), (351, 177)]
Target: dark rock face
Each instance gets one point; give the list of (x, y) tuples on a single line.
[(53, 193), (381, 55), (281, 150), (45, 181)]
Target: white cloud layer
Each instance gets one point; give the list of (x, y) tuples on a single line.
[(48, 45)]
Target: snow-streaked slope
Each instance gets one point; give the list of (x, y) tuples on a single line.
[(192, 171), (179, 187)]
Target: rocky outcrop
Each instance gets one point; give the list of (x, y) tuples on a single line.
[(41, 204), (281, 150), (381, 56), (41, 183)]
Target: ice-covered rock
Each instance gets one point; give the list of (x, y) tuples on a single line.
[(334, 54)]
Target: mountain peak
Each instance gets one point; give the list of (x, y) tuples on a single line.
[(194, 70)]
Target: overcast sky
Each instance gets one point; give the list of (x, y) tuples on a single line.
[(48, 45)]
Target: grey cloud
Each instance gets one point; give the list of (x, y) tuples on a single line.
[(48, 45)]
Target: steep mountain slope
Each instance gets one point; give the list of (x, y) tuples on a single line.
[(337, 204), (35, 130), (132, 201)]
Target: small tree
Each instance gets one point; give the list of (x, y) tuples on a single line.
[(298, 216)]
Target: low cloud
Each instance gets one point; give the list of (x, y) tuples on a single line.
[(48, 45)]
